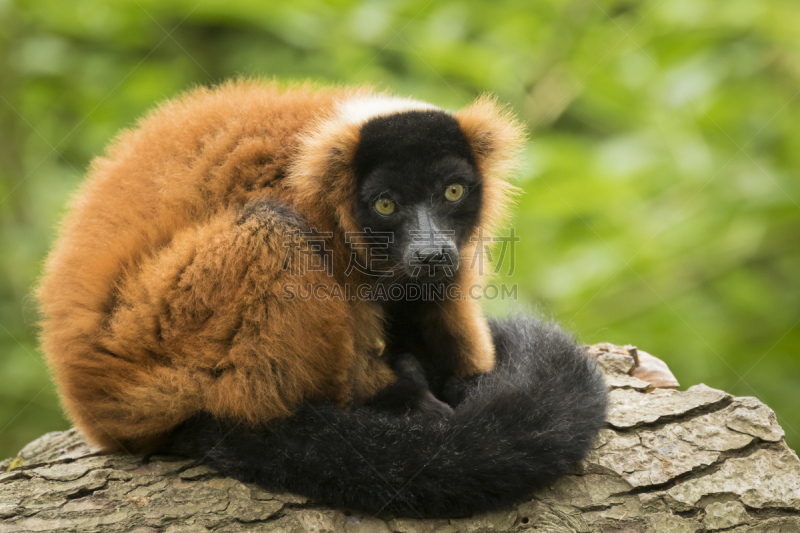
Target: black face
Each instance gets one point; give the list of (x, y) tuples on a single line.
[(416, 180)]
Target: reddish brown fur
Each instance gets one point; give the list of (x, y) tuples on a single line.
[(163, 296)]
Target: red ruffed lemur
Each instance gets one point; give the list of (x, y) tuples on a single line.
[(173, 318)]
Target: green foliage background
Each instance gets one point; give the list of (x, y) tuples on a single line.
[(661, 182)]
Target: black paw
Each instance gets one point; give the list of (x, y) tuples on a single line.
[(456, 389), (407, 367), (409, 394), (430, 405)]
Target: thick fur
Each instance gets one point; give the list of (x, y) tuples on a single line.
[(165, 305), (163, 294), (518, 428)]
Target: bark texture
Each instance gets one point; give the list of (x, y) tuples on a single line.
[(669, 461)]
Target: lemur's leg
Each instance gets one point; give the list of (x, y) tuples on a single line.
[(410, 392), (451, 339)]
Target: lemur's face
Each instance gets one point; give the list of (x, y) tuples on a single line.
[(417, 184)]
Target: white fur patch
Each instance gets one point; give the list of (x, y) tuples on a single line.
[(360, 110)]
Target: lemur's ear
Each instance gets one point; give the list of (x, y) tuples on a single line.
[(322, 174), (496, 138)]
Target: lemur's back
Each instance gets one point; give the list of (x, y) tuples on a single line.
[(135, 221), (183, 163)]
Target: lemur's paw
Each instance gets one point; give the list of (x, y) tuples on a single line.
[(456, 389), (430, 405), (407, 367)]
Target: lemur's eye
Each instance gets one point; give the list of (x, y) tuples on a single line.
[(384, 206), (454, 192)]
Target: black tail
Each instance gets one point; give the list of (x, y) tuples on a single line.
[(520, 427)]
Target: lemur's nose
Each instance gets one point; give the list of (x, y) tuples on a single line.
[(430, 255)]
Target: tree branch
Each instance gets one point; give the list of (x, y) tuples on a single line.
[(669, 461)]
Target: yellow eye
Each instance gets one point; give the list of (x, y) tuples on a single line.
[(384, 206), (454, 192)]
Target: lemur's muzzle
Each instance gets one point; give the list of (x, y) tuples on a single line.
[(431, 251)]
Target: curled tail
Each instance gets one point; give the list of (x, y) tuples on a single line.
[(520, 427)]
